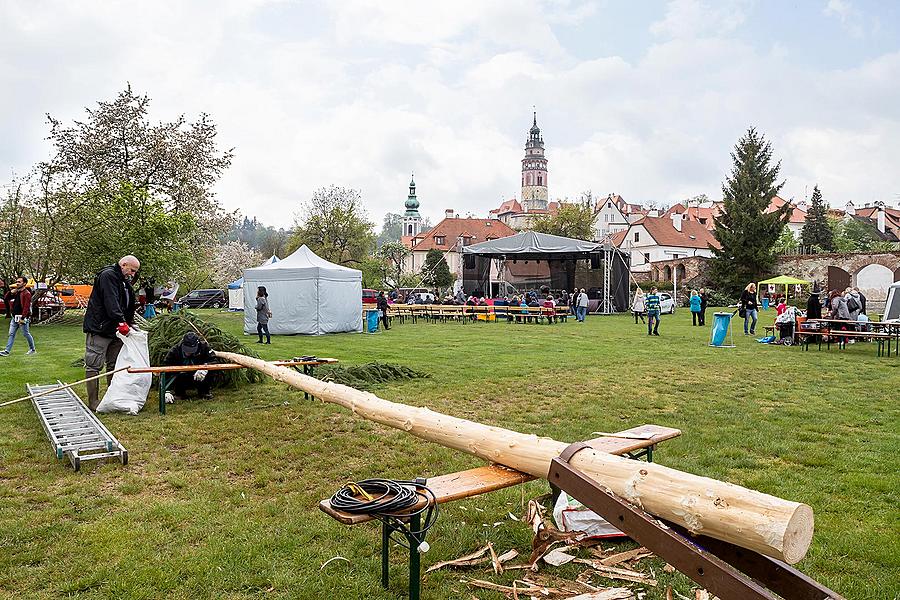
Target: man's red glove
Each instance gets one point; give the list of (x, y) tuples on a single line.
[(123, 328)]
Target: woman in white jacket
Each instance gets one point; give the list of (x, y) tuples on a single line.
[(637, 305)]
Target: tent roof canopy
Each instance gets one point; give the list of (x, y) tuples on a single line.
[(239, 282), (785, 280), (304, 264), (529, 244)]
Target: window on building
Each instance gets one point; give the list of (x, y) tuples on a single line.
[(637, 236), (439, 240), (647, 257), (702, 220), (676, 256), (609, 205), (540, 180), (467, 239)]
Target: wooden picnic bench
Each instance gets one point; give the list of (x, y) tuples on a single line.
[(168, 373), (637, 442), (884, 338)]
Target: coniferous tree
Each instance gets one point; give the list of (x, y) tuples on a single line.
[(746, 232), (435, 271), (816, 231)]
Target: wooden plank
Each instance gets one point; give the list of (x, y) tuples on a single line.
[(617, 445), (481, 480), (227, 366)]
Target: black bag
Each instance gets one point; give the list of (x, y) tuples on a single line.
[(852, 304), (742, 312)]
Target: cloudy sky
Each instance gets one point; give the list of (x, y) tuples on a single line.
[(644, 99)]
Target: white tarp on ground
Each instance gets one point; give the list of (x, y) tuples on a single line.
[(236, 288), (307, 294)]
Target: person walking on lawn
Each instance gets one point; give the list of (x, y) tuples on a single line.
[(110, 310), (703, 300), (263, 314), (581, 305), (637, 305), (695, 308), (19, 305), (749, 306), (651, 301)]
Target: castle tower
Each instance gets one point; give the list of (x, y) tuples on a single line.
[(412, 220), (534, 171)]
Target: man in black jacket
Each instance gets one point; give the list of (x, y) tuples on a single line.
[(110, 309), (381, 304), (190, 351)]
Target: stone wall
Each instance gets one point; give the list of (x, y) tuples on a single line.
[(692, 270), (836, 270)]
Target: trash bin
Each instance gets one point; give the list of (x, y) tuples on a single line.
[(765, 304), (720, 329), (372, 315)]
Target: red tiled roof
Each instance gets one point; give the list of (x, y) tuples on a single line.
[(510, 206), (797, 215), (479, 230), (618, 237), (692, 234), (891, 216), (695, 213)]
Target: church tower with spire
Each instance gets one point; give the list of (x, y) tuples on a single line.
[(412, 220), (534, 171)]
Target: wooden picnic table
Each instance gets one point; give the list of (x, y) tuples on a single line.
[(889, 336), (167, 373)]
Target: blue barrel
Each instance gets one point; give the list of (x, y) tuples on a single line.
[(765, 304), (372, 320), (720, 328)]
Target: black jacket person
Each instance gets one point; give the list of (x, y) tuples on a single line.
[(191, 350), (110, 309)]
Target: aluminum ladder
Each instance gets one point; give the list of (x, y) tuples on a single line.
[(72, 428)]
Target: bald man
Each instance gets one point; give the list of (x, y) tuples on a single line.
[(109, 310)]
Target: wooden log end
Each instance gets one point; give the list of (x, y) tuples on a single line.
[(798, 534)]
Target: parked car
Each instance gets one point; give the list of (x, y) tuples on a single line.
[(369, 296), (666, 303), (204, 299)]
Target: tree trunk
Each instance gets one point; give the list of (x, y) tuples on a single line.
[(769, 525)]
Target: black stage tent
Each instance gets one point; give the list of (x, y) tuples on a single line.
[(529, 260)]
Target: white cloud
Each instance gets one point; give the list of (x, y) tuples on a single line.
[(693, 18), (366, 93), (851, 18)]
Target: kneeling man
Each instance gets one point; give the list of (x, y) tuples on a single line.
[(190, 351)]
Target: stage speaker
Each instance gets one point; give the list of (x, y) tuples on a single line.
[(595, 261)]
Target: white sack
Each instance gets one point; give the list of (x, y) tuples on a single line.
[(128, 391), (571, 515)]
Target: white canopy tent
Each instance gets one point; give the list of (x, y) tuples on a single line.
[(307, 294), (236, 289)]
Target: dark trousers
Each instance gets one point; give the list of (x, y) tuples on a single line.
[(638, 314), (262, 328), (99, 351), (185, 381), (384, 319), (702, 314), (652, 324), (695, 319)]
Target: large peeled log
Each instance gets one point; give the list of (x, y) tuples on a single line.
[(769, 525)]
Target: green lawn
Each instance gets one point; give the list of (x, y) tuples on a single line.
[(219, 499)]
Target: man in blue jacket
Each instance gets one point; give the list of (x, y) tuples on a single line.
[(110, 310)]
